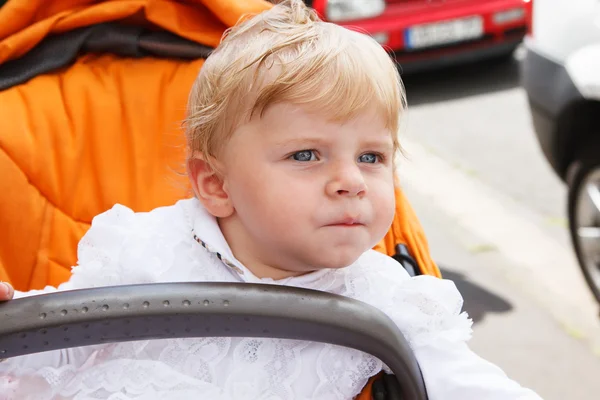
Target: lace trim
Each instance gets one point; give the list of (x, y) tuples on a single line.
[(123, 247)]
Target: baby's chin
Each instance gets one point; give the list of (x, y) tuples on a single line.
[(337, 260)]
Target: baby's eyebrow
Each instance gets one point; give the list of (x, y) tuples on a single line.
[(381, 144), (302, 141)]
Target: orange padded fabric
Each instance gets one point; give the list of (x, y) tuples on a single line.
[(75, 142), (24, 23), (102, 131)]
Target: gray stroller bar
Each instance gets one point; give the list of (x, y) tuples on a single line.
[(181, 310)]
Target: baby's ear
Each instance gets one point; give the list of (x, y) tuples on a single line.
[(208, 186)]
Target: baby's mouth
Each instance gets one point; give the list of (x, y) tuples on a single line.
[(347, 222)]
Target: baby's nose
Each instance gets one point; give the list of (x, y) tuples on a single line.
[(348, 181)]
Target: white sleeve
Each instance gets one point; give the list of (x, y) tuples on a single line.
[(100, 263), (453, 372), (438, 335), (428, 311)]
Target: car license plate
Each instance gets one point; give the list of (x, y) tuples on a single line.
[(441, 33)]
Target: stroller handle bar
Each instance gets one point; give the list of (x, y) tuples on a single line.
[(180, 310)]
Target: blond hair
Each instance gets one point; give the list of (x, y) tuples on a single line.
[(288, 54)]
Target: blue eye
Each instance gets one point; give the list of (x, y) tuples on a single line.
[(304, 155), (369, 158)]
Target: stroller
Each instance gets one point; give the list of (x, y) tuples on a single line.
[(91, 98)]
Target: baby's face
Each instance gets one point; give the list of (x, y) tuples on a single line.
[(308, 193)]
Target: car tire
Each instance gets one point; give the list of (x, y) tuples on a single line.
[(584, 216)]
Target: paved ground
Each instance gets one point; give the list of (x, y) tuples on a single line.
[(494, 214)]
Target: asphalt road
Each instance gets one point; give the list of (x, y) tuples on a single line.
[(494, 214)]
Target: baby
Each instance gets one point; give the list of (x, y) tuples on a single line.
[(292, 134)]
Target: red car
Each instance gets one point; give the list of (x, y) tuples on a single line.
[(435, 33)]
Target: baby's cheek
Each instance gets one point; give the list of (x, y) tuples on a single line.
[(384, 207)]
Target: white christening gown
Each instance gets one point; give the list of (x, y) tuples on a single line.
[(184, 243)]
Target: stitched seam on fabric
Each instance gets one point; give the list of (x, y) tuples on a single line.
[(35, 263), (82, 225), (42, 253), (19, 166)]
